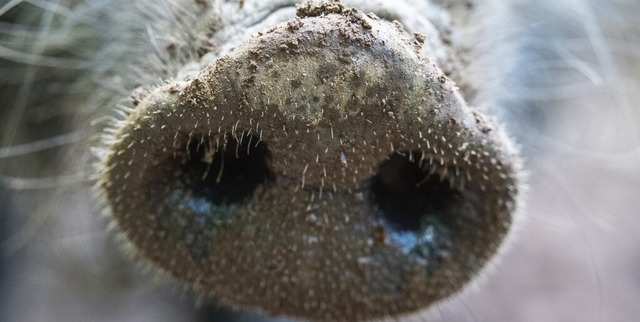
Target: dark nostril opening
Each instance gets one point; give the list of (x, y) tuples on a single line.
[(227, 172), (410, 195)]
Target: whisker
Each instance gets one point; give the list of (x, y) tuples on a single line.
[(19, 184), (41, 145)]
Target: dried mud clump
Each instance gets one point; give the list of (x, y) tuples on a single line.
[(324, 170)]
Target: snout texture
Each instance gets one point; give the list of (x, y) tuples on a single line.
[(325, 169)]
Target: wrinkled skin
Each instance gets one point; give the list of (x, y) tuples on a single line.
[(173, 60)]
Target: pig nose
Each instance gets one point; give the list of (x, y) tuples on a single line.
[(326, 169)]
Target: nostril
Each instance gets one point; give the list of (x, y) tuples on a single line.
[(206, 180), (419, 207), (408, 193), (223, 173)]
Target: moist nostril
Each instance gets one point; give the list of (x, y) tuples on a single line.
[(209, 178), (418, 207), (408, 193), (224, 173)]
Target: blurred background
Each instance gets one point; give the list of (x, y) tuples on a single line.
[(569, 97)]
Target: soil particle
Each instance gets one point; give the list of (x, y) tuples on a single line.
[(420, 37), (483, 122), (314, 10)]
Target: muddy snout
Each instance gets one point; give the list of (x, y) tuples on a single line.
[(326, 169)]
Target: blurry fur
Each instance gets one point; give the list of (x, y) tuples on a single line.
[(562, 76)]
